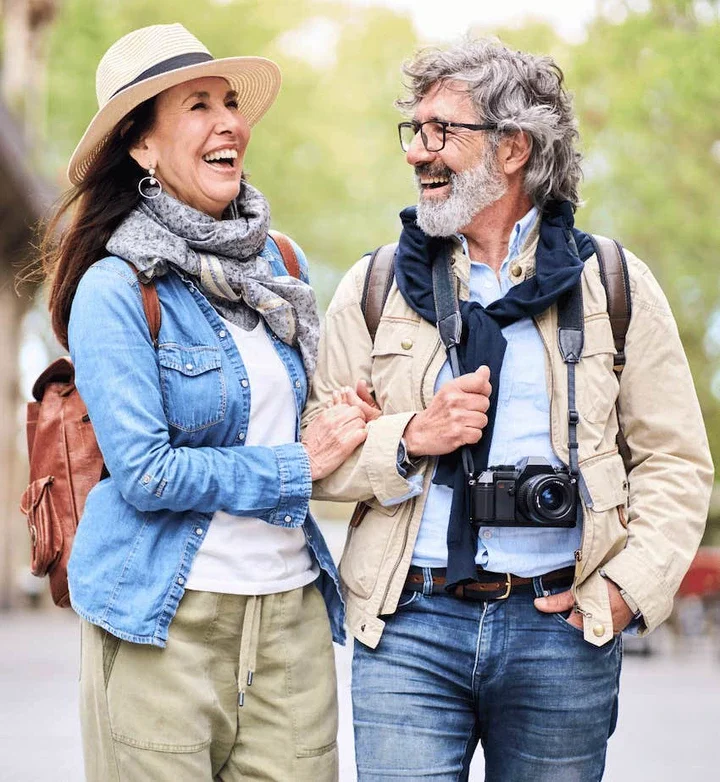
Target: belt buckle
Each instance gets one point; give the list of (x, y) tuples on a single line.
[(508, 587)]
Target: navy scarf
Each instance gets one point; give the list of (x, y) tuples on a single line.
[(559, 260)]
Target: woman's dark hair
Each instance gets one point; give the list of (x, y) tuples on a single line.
[(95, 208)]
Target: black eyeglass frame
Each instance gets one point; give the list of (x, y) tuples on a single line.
[(417, 127)]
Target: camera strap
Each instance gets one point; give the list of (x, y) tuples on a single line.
[(449, 324), (570, 341)]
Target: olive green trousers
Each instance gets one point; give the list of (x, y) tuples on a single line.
[(186, 713)]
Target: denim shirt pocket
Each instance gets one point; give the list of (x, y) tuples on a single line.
[(193, 386)]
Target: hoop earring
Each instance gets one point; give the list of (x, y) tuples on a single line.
[(153, 188)]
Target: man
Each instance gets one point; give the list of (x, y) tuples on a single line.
[(504, 634)]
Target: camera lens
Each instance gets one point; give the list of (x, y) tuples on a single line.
[(551, 497), (546, 498)]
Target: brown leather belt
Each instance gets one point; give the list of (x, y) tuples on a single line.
[(489, 586)]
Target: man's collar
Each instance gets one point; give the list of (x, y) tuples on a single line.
[(518, 235)]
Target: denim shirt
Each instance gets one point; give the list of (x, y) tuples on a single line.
[(171, 423)]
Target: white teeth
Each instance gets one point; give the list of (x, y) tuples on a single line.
[(221, 154), (434, 181)]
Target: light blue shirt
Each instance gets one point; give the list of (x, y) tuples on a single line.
[(522, 428)]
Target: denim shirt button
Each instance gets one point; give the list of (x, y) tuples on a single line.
[(181, 580), (288, 518), (222, 333), (241, 436), (297, 384), (244, 383), (198, 531), (188, 366), (146, 479)]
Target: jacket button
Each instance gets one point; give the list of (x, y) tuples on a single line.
[(241, 436), (406, 344), (222, 333), (146, 479), (181, 580), (599, 630), (188, 366), (198, 531), (297, 384), (244, 383), (288, 518), (516, 270)]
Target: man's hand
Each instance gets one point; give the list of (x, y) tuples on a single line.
[(455, 417), (563, 601)]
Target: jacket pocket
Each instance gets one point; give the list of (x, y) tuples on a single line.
[(43, 525), (367, 547), (606, 485), (193, 386), (597, 385), (392, 361)]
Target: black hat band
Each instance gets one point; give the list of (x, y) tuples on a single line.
[(172, 64)]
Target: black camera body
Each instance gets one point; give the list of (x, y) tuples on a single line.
[(532, 493)]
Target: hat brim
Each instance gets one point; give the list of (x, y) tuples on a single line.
[(255, 79)]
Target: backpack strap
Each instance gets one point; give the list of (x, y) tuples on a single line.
[(616, 281), (287, 251), (378, 281), (151, 305)]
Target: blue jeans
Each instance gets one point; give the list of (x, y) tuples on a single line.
[(448, 672)]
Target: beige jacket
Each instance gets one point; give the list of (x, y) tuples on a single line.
[(642, 521)]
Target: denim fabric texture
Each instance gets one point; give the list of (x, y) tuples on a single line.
[(449, 673), (171, 423)]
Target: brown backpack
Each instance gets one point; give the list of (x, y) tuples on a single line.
[(65, 460)]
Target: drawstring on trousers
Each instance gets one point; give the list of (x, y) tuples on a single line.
[(249, 645)]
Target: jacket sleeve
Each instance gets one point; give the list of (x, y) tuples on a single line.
[(344, 357), (117, 375), (670, 471)]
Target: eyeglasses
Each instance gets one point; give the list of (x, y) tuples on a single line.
[(432, 132)]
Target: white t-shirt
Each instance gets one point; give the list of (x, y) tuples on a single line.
[(242, 555)]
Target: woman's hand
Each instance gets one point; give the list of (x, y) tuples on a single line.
[(359, 397), (332, 437)]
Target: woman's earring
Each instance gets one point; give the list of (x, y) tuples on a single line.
[(148, 186)]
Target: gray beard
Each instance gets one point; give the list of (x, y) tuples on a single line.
[(471, 191)]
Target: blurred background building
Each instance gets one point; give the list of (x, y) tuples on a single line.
[(24, 198)]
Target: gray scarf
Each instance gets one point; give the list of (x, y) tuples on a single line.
[(224, 258)]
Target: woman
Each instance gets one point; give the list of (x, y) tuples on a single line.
[(197, 570)]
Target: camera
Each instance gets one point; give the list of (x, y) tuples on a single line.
[(531, 493)]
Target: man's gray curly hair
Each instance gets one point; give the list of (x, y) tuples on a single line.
[(518, 92)]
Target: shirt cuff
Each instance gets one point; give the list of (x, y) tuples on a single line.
[(416, 487), (379, 459), (295, 485)]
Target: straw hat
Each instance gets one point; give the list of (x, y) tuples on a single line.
[(147, 61)]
